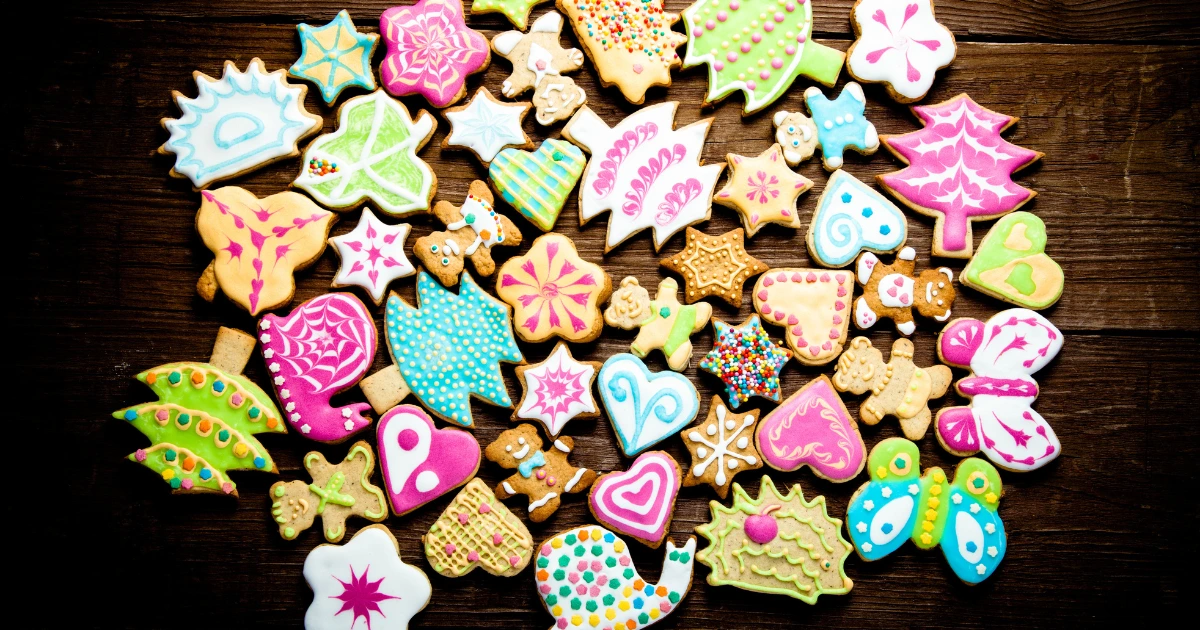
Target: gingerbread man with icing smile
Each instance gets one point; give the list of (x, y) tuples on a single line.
[(542, 476)]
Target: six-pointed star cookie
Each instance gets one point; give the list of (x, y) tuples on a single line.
[(763, 190), (372, 255), (486, 125), (557, 390), (721, 447), (746, 360), (714, 265), (335, 56)]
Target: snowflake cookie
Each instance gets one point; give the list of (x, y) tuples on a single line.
[(557, 390), (721, 447), (372, 255), (714, 265), (335, 56)]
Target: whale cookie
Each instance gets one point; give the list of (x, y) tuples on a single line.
[(337, 492), (543, 476), (472, 229)]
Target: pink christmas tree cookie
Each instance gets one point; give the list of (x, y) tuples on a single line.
[(430, 51)]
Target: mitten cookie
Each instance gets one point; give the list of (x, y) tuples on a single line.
[(898, 388), (472, 230), (665, 324), (542, 476), (337, 492), (892, 291)]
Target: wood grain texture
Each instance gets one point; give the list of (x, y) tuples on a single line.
[(108, 259)]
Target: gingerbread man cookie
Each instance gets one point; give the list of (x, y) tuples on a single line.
[(538, 63), (898, 388), (665, 324), (337, 492), (542, 476), (472, 230), (892, 291)]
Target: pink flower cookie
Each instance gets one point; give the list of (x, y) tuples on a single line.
[(420, 462), (430, 51), (554, 292), (900, 44), (813, 306)]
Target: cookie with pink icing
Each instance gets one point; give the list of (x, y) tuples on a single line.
[(813, 428), (813, 306), (639, 502), (900, 44), (431, 51), (421, 462), (320, 349)]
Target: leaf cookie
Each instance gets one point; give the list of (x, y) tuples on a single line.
[(476, 530), (813, 306), (538, 61), (763, 190), (537, 183), (335, 56), (557, 390), (431, 51), (664, 324), (1011, 264), (337, 492), (714, 265), (472, 230)]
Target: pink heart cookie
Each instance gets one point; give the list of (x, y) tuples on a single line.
[(811, 304), (813, 428), (638, 502), (420, 462)]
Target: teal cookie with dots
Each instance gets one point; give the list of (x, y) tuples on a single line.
[(335, 56), (450, 346), (841, 124)]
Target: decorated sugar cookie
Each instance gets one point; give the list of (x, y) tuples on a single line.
[(892, 292), (539, 61), (204, 420), (763, 190), (320, 349), (746, 361), (618, 597), (630, 43), (639, 502), (421, 462), (238, 123), (663, 324), (813, 428), (485, 125), (900, 44), (257, 245), (898, 387), (363, 579), (554, 292), (797, 134), (543, 476), (646, 172), (337, 492), (517, 11), (841, 124), (714, 265), (472, 229), (372, 155), (777, 544), (476, 530), (757, 46), (537, 183), (721, 447), (851, 218), (557, 390), (335, 57), (645, 407), (900, 504), (1011, 264), (812, 305), (959, 170), (372, 255), (1002, 354), (431, 51)]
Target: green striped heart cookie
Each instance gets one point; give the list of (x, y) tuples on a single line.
[(537, 183)]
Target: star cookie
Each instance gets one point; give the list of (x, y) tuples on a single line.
[(485, 125), (721, 447), (763, 190), (557, 390), (372, 255), (746, 360), (714, 265), (335, 56)]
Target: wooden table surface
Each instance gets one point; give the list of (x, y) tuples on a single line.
[(108, 259)]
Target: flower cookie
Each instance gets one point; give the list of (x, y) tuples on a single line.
[(472, 229), (893, 292), (557, 390), (850, 218), (958, 170), (372, 155), (776, 48), (639, 502), (337, 492), (538, 63), (645, 407), (841, 124), (630, 43), (320, 349), (485, 125), (238, 123), (372, 255), (646, 172), (714, 265), (431, 51), (257, 245), (1011, 264), (813, 428), (537, 183), (763, 190), (746, 360), (664, 324), (543, 476), (777, 544), (204, 420), (517, 11), (797, 134), (335, 56), (553, 291), (900, 44), (813, 306), (364, 578), (421, 462), (898, 388), (899, 504), (476, 530), (721, 447), (616, 596)]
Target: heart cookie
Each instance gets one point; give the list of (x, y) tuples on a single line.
[(537, 183), (813, 428), (638, 502), (813, 306), (1011, 264), (421, 463), (476, 530), (645, 408)]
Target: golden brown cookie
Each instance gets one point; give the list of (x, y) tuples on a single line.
[(721, 447), (714, 265), (898, 388), (476, 530), (893, 292), (539, 61), (543, 476), (472, 230), (337, 492), (763, 190)]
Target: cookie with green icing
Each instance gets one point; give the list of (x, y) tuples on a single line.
[(337, 492), (537, 183), (1011, 264)]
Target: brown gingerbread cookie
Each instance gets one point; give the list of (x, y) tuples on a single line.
[(893, 292), (721, 447), (898, 388), (337, 492), (472, 230), (539, 61), (542, 476), (714, 265)]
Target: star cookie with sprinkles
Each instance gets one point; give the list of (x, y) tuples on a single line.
[(335, 56), (486, 125), (763, 190), (721, 447), (746, 360), (714, 265)]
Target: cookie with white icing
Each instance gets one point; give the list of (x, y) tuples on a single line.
[(543, 476)]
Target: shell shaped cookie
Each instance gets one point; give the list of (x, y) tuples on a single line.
[(900, 44)]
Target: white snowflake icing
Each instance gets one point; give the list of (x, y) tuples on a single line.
[(726, 431)]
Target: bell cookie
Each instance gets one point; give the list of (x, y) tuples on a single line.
[(664, 324), (543, 476), (485, 125), (537, 183), (813, 428), (763, 190), (898, 388), (335, 57), (472, 229), (644, 407), (1011, 264), (841, 124), (813, 306), (851, 218), (557, 390), (554, 291), (639, 502), (797, 134), (337, 492), (372, 255), (539, 61), (892, 291), (714, 265), (476, 530), (746, 361), (721, 447), (431, 51), (899, 44), (420, 462)]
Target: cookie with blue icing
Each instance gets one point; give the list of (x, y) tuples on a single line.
[(537, 183), (645, 407), (841, 124), (335, 57), (852, 218)]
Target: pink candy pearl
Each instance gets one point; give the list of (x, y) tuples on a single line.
[(801, 38), (722, 16), (777, 63), (710, 25), (750, 85), (745, 47), (735, 5), (718, 66), (791, 50), (757, 37), (696, 32), (768, 27), (778, 17), (790, 7), (732, 57), (764, 75)]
